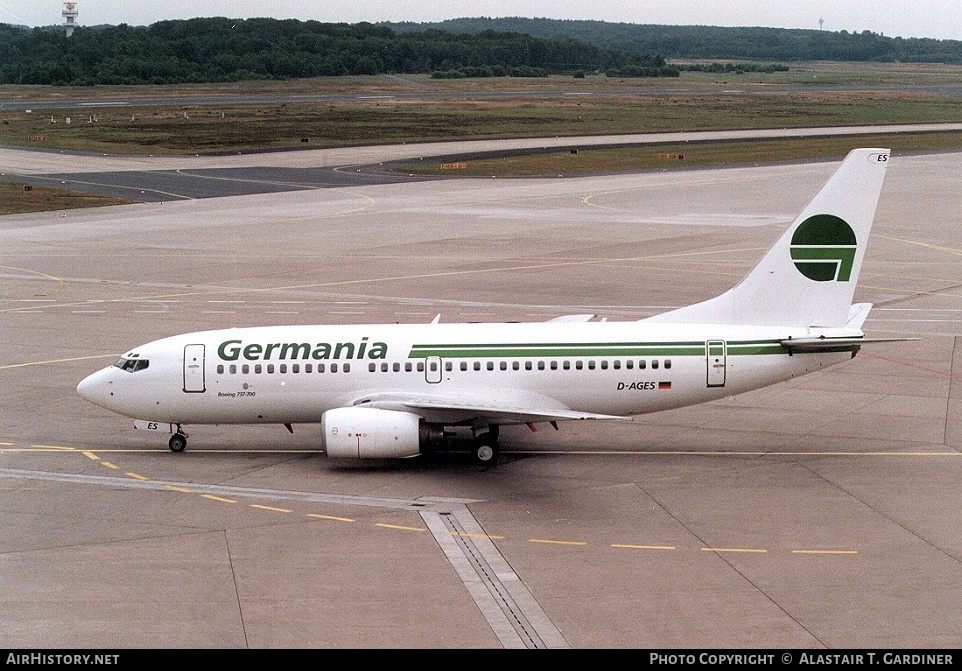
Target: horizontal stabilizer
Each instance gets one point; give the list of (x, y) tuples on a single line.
[(824, 344)]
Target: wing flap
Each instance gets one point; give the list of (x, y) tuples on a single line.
[(520, 415)]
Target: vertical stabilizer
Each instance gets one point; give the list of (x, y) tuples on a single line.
[(808, 277)]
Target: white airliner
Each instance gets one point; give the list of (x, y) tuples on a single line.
[(396, 390)]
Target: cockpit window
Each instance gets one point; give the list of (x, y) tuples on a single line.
[(131, 365)]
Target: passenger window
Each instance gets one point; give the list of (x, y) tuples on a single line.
[(220, 369), (333, 368), (448, 366), (667, 363), (654, 364), (566, 365), (604, 365), (490, 365), (616, 364), (504, 365), (282, 369), (246, 369), (420, 366), (477, 365), (407, 367), (308, 368), (257, 368), (346, 368), (541, 365), (296, 368), (527, 365), (464, 365), (642, 364), (320, 368), (372, 367), (270, 368), (233, 369), (629, 364), (554, 365), (579, 365), (515, 365), (591, 365), (397, 367)]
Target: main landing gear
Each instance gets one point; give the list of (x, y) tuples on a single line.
[(178, 441), (485, 450)]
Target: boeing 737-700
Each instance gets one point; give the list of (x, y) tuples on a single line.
[(396, 390)]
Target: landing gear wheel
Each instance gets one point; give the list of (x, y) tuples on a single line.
[(178, 442), (486, 450)]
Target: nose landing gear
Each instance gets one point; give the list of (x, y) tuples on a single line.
[(178, 441)]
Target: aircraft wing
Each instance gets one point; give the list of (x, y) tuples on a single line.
[(571, 319), (464, 410)]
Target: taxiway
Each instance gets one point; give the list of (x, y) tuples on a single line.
[(820, 513)]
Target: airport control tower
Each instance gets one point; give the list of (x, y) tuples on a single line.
[(69, 17)]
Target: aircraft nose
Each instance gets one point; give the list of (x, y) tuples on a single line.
[(95, 388)]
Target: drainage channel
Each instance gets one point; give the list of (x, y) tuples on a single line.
[(510, 609)]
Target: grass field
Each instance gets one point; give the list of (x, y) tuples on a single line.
[(384, 110), (17, 198), (252, 127), (600, 160)]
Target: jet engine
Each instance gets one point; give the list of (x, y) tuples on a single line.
[(372, 433)]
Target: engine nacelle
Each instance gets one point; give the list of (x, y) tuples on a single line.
[(372, 433)]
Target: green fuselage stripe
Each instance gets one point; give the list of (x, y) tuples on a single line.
[(523, 350)]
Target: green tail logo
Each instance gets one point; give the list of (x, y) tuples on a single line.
[(823, 248)]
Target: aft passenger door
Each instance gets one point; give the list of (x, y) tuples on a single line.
[(194, 369), (716, 360)]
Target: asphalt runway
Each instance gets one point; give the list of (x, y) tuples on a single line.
[(816, 514)]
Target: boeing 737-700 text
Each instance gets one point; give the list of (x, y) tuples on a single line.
[(396, 390)]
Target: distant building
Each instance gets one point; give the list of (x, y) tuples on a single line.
[(69, 17)]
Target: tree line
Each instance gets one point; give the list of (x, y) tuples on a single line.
[(223, 50), (710, 42)]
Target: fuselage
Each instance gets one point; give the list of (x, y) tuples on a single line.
[(293, 374)]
